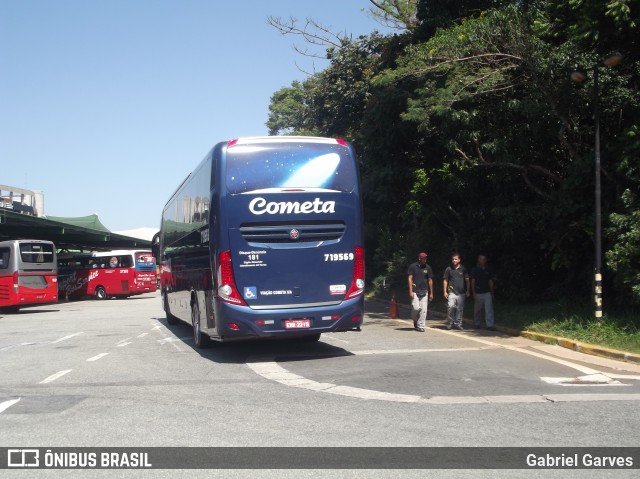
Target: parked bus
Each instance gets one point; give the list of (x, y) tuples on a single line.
[(264, 239), (105, 274), (28, 274)]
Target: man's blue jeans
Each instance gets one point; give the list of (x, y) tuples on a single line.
[(455, 308)]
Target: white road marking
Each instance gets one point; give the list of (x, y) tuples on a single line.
[(170, 339), (121, 344), (66, 337), (7, 404), (55, 376), (332, 338), (623, 376), (588, 380), (173, 341), (582, 369), (141, 335), (269, 369), (11, 346), (366, 352), (99, 356), (123, 340)]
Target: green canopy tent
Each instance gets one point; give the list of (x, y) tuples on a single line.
[(84, 233)]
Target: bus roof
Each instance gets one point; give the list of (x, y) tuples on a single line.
[(284, 139), (120, 252)]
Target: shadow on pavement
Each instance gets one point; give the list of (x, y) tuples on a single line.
[(238, 352)]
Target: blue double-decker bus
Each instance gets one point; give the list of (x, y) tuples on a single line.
[(264, 239)]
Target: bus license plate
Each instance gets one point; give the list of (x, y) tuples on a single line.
[(297, 324)]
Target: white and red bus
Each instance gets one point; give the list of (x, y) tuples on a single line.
[(28, 274), (120, 273)]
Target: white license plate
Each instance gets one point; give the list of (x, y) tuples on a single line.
[(297, 324)]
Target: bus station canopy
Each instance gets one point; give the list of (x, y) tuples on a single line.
[(85, 233)]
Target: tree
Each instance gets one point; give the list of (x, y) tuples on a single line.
[(287, 111), (398, 14), (472, 137)]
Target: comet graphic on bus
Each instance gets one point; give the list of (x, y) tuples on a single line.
[(315, 173)]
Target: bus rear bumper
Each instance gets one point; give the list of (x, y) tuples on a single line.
[(241, 322)]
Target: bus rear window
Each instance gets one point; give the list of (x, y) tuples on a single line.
[(5, 253), (36, 253), (266, 166)]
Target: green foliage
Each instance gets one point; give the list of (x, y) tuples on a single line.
[(471, 136), (601, 25), (624, 255), (399, 14), (286, 110)]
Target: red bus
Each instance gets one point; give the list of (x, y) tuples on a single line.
[(28, 274), (106, 274)]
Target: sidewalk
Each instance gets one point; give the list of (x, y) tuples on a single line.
[(574, 345)]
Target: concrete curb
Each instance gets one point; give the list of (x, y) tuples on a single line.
[(583, 347), (578, 346)]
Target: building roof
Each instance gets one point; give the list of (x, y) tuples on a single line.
[(83, 233)]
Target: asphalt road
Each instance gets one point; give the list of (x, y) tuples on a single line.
[(114, 374)]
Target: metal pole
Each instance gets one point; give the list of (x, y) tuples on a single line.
[(598, 197)]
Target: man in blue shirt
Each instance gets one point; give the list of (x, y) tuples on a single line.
[(482, 285)]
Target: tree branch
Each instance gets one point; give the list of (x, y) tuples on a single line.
[(312, 32), (482, 161)]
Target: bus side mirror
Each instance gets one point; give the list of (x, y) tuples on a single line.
[(155, 245)]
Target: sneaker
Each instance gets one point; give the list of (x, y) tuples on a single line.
[(421, 330), (449, 327), (459, 326)]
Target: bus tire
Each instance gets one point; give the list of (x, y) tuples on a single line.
[(200, 339), (100, 293), (171, 319)]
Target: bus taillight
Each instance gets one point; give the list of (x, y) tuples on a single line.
[(15, 281), (357, 282), (227, 290)]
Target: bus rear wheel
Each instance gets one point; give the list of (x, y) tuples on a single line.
[(171, 319), (101, 293), (199, 338)]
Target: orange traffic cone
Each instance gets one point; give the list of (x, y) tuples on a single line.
[(393, 311)]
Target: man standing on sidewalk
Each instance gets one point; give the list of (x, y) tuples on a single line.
[(482, 286), (420, 291), (456, 289)]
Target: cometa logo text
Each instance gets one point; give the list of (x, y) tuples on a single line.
[(259, 206)]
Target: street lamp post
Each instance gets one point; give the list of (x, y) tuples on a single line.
[(597, 272), (611, 61)]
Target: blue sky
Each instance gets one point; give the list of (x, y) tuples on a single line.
[(106, 105)]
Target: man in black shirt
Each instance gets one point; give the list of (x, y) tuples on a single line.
[(420, 290), (482, 285), (456, 289)]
